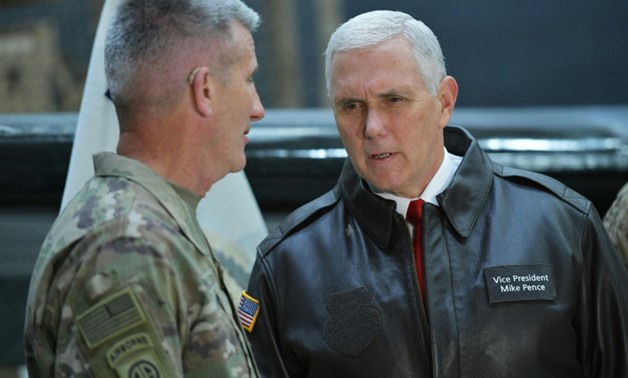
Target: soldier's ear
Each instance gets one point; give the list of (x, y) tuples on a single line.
[(201, 82)]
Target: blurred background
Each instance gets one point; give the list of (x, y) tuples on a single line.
[(516, 53), (529, 71)]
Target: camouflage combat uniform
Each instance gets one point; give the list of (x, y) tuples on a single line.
[(126, 285), (616, 223)]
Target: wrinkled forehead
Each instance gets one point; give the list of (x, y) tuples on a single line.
[(390, 54)]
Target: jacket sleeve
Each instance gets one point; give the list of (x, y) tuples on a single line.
[(603, 306), (264, 336)]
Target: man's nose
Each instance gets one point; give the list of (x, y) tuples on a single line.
[(374, 124), (258, 109)]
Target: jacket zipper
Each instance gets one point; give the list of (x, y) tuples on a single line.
[(423, 312), (422, 309)]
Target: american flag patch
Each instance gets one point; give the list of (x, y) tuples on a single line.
[(248, 311)]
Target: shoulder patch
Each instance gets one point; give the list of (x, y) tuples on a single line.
[(248, 311), (143, 364), (110, 317), (128, 346), (133, 356)]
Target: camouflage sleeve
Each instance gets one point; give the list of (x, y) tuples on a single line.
[(135, 310), (616, 223)]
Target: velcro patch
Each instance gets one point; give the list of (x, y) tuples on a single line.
[(520, 283), (248, 311), (126, 347), (110, 317)]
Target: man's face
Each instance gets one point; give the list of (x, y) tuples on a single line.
[(237, 103), (390, 125)]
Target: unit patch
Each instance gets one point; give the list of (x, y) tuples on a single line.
[(520, 283), (248, 311), (143, 364), (110, 317)]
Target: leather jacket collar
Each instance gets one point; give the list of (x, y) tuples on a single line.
[(461, 202)]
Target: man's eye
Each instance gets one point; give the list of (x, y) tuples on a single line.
[(351, 106), (395, 99)]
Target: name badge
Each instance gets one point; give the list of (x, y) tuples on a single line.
[(520, 283)]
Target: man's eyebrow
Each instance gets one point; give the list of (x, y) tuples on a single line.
[(391, 93), (384, 95), (346, 100)]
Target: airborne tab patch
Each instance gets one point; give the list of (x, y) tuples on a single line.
[(127, 346), (520, 283), (110, 317), (248, 311)]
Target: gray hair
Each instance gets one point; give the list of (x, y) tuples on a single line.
[(144, 33), (370, 28)]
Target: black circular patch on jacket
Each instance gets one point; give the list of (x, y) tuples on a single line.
[(352, 323)]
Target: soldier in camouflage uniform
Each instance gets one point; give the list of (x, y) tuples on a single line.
[(126, 283), (616, 223)]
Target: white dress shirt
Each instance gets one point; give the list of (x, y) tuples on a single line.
[(436, 186)]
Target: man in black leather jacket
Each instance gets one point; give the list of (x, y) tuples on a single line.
[(520, 278)]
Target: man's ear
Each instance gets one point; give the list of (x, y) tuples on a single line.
[(447, 94), (200, 81)]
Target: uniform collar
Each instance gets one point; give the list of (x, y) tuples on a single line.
[(182, 211), (465, 197)]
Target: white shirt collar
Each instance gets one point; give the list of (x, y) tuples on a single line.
[(436, 186)]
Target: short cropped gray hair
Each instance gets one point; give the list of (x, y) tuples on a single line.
[(142, 33), (370, 28)]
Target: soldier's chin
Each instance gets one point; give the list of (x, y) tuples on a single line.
[(240, 165)]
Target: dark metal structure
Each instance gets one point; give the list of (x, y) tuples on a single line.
[(295, 155)]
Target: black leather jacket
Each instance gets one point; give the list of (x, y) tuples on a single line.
[(522, 281)]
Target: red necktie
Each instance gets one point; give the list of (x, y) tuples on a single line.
[(414, 215)]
